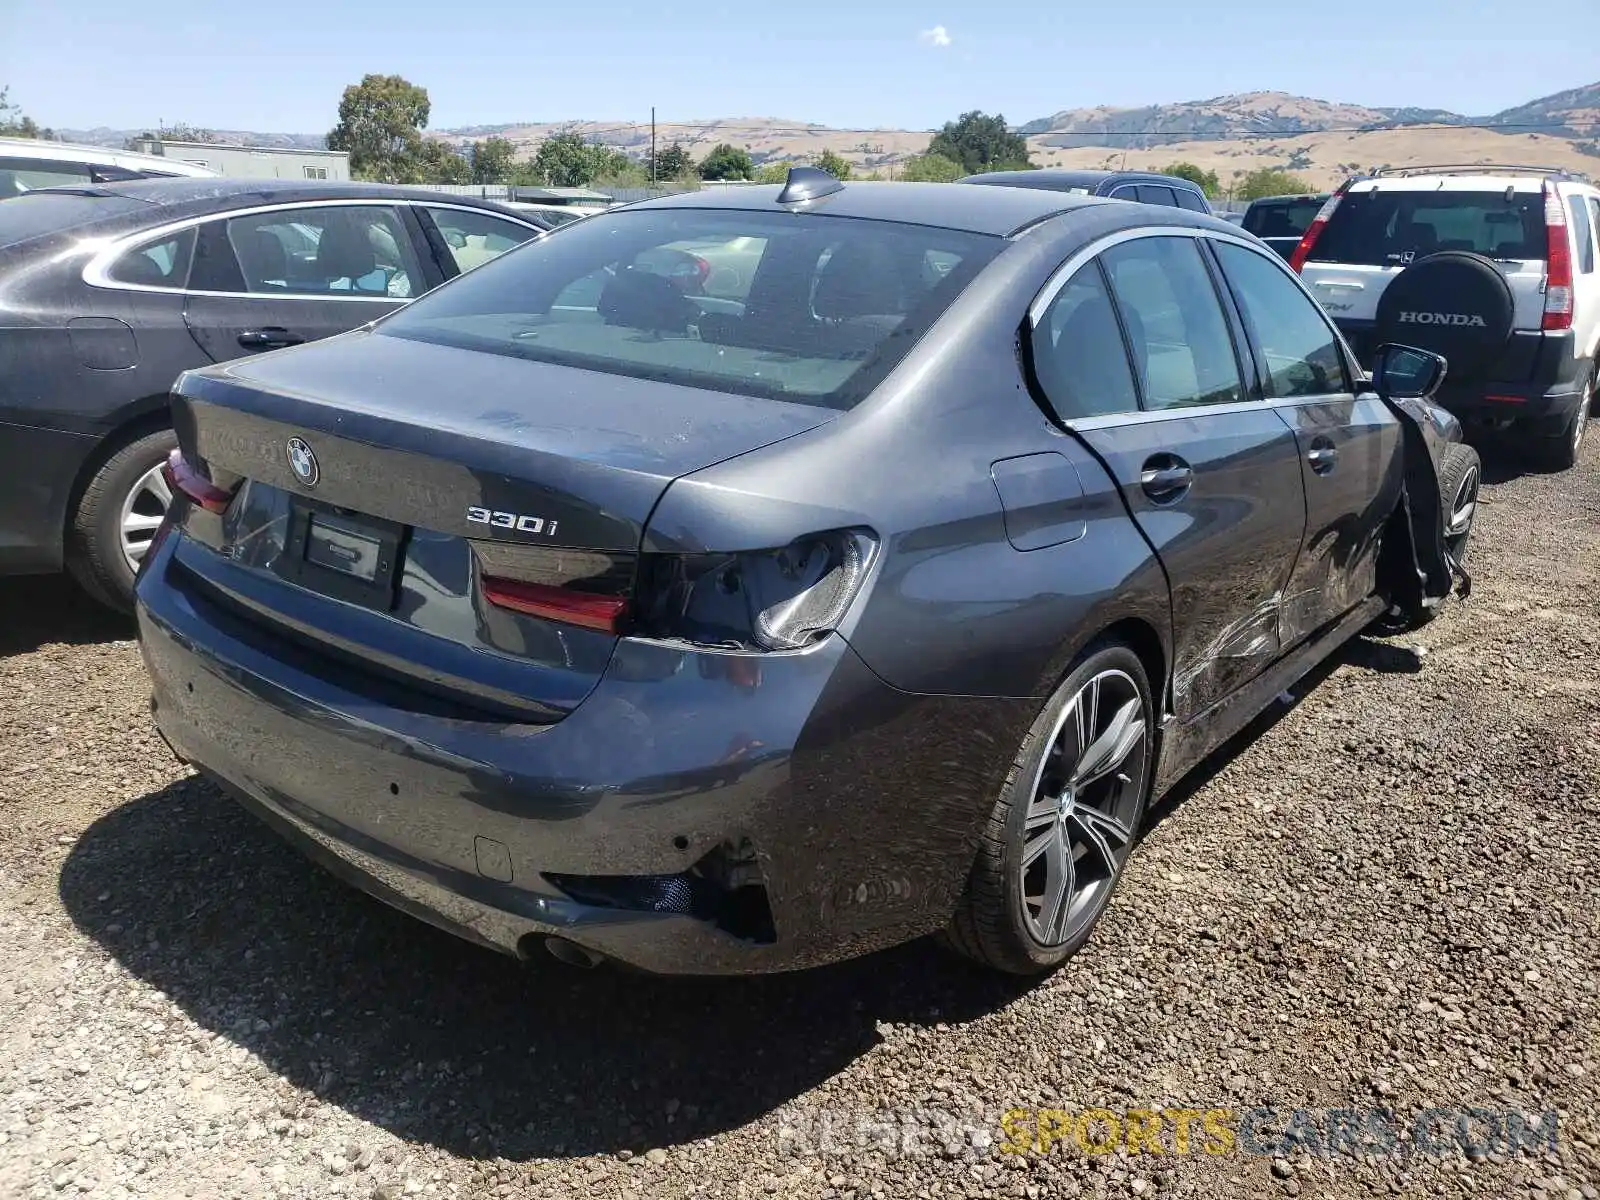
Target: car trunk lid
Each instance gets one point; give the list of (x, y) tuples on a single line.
[(395, 503)]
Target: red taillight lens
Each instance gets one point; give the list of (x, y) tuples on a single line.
[(1297, 260), (183, 476), (603, 613), (1558, 256)]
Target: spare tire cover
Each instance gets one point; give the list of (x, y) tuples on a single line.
[(1454, 303)]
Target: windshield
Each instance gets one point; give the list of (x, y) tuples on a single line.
[(1393, 228), (799, 307), (34, 213)]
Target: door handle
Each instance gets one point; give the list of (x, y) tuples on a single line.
[(1322, 456), (268, 337), (1165, 478)]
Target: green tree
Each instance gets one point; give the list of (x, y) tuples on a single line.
[(981, 143), (493, 160), (16, 123), (566, 160), (833, 164), (439, 162), (671, 163), (1206, 181), (774, 172), (381, 120), (727, 162), (931, 168), (1269, 181)]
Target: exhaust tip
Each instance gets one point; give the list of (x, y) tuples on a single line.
[(573, 954)]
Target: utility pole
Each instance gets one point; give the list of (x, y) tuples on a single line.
[(652, 145)]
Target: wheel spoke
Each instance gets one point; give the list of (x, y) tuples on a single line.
[(135, 551), (1104, 832), (1111, 749), (1037, 846), (140, 523), (1059, 889), (1042, 811), (156, 484)]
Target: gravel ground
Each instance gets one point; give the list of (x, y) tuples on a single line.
[(1385, 894)]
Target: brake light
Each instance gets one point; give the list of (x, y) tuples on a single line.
[(781, 599), (1558, 277), (603, 613), (1302, 252), (183, 476)]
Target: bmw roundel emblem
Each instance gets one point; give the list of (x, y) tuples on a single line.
[(302, 462)]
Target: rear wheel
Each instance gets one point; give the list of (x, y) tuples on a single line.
[(1061, 832), (1561, 451), (117, 518)]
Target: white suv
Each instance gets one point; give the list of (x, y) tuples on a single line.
[(1492, 267)]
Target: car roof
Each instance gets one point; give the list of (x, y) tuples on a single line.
[(1289, 198), (269, 191), (1452, 183), (1056, 177), (999, 212), (44, 151)]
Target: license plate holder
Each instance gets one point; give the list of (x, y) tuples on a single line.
[(345, 555)]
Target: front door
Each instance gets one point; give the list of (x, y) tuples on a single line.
[(1349, 445), (1211, 476), (283, 276)]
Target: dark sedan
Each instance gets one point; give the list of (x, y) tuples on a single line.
[(108, 292), (575, 606)]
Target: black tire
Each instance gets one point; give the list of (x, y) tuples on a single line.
[(94, 540), (992, 924), (1561, 451)]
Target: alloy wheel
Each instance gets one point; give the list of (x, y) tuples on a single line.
[(1083, 807), (143, 509), (1463, 509)]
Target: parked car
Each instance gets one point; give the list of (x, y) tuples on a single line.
[(1491, 267), (735, 640), (1146, 187), (1281, 221), (552, 215), (108, 292), (27, 164)]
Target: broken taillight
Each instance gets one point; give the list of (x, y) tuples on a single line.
[(183, 476)]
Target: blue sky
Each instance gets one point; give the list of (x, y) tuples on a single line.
[(865, 63)]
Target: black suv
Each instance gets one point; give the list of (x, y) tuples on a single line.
[(1281, 221), (1146, 187)]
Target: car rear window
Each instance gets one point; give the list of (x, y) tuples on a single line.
[(799, 307), (1282, 218), (34, 214), (1392, 228)]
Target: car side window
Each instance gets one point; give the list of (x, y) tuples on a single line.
[(334, 251), (1300, 348), (473, 238), (1583, 233), (19, 175), (1077, 351), (1182, 351), (156, 264), (1125, 192), (1193, 201), (1155, 193)]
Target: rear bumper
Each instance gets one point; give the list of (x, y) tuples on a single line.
[(863, 804), (1538, 378), (38, 468)]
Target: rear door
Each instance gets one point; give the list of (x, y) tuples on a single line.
[(280, 276), (1211, 476), (1349, 445)]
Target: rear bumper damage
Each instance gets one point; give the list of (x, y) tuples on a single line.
[(692, 816)]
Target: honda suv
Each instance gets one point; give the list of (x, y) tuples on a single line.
[(1491, 267)]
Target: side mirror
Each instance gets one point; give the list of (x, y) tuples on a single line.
[(1406, 373)]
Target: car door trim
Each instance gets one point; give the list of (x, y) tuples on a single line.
[(96, 270)]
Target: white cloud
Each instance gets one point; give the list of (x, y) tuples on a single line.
[(937, 36)]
